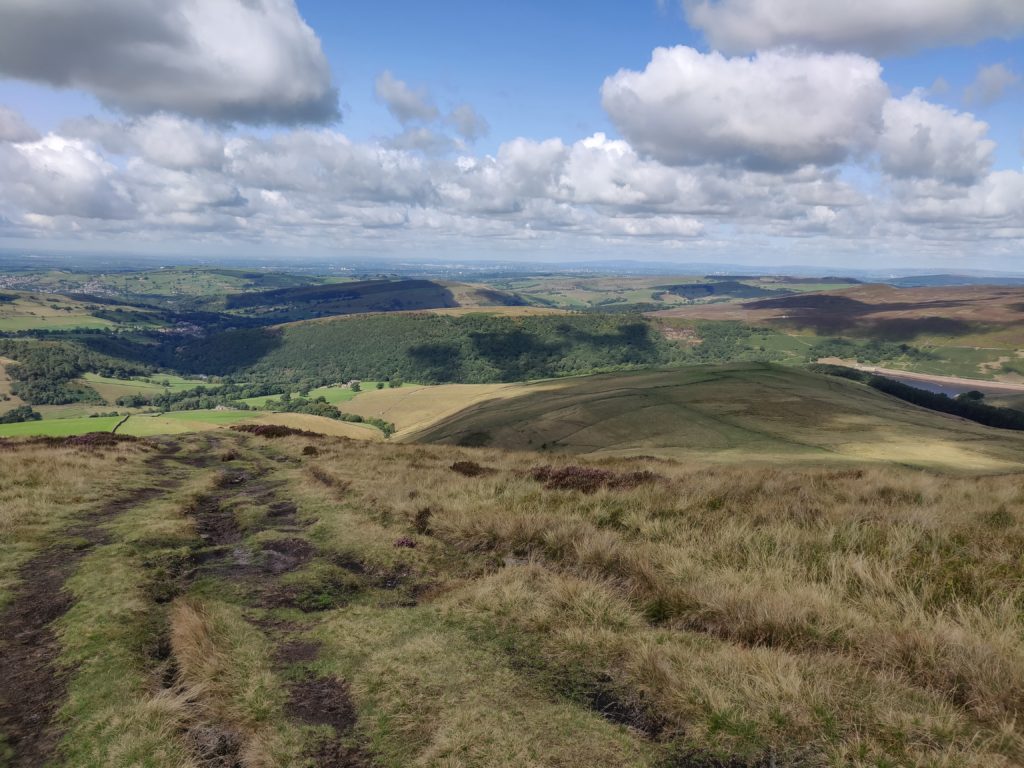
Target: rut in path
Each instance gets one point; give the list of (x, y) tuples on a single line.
[(311, 700), (33, 687)]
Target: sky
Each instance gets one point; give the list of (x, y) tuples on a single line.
[(874, 134)]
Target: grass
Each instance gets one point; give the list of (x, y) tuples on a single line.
[(31, 311), (43, 488), (861, 615), (111, 389), (115, 715), (830, 616), (333, 395), (731, 414), (140, 425), (413, 406)]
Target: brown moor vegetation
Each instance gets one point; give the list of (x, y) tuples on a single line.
[(396, 605)]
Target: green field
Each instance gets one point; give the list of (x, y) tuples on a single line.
[(140, 425), (182, 282), (111, 389), (730, 413), (34, 311), (24, 311), (333, 395), (51, 323)]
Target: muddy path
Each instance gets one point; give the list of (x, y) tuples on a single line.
[(255, 571), (33, 685)]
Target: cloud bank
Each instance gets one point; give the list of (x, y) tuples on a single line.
[(875, 27)]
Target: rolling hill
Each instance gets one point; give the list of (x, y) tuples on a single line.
[(733, 413)]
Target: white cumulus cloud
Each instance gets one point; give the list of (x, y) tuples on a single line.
[(924, 140), (775, 111), (248, 61), (406, 104), (876, 27), (991, 84), (13, 126)]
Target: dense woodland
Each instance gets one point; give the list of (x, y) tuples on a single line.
[(432, 349), (45, 370)]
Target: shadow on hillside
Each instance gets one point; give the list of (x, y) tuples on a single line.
[(518, 355), (439, 362), (829, 315), (367, 296), (216, 355)]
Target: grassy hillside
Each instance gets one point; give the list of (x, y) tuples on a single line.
[(733, 413), (655, 292), (32, 311), (230, 600), (110, 389)]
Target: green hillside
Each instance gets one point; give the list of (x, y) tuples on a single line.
[(732, 413), (431, 348)]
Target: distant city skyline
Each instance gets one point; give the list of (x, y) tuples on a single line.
[(871, 135)]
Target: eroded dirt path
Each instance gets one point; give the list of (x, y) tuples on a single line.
[(33, 686), (256, 571)]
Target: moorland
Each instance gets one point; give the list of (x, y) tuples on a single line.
[(256, 518)]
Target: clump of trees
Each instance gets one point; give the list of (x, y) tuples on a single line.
[(967, 405), (20, 414), (320, 407), (45, 371), (872, 352)]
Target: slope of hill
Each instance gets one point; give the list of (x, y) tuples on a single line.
[(732, 413), (967, 331), (225, 599), (430, 348)]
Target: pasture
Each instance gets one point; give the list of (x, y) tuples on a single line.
[(45, 312), (111, 389), (139, 425)]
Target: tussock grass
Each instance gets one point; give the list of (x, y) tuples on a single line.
[(862, 616), (113, 641), (224, 668), (430, 695), (43, 488), (815, 616)]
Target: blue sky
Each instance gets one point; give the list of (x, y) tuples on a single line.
[(536, 70), (750, 131)]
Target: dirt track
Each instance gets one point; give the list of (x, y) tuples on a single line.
[(33, 686)]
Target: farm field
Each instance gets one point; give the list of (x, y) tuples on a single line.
[(412, 406), (333, 395), (31, 311), (584, 612), (165, 282), (667, 291), (741, 413), (111, 389), (140, 425)]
